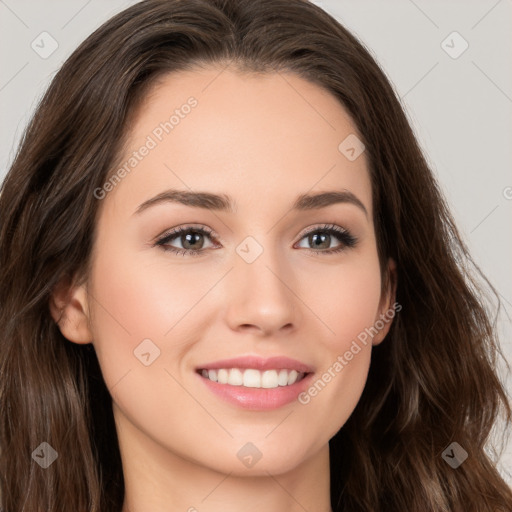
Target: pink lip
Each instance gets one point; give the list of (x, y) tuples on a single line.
[(259, 363), (258, 399)]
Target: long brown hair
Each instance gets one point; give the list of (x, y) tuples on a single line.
[(432, 382)]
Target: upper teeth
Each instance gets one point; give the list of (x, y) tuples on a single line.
[(252, 378)]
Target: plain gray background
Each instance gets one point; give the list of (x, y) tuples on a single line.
[(459, 102)]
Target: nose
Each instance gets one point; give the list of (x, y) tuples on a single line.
[(261, 296)]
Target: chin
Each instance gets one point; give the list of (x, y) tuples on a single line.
[(261, 458)]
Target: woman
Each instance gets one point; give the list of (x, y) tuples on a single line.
[(229, 280)]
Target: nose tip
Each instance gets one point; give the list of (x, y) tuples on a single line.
[(260, 297)]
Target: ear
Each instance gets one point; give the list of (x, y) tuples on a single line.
[(387, 305), (69, 308)]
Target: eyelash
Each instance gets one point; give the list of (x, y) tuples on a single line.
[(347, 240)]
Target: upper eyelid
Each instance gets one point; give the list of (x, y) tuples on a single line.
[(183, 229)]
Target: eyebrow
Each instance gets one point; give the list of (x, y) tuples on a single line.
[(224, 203)]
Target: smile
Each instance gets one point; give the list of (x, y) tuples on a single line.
[(253, 378)]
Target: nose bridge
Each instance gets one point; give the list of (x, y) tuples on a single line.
[(261, 291)]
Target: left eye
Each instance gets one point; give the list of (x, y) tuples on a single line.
[(192, 240)]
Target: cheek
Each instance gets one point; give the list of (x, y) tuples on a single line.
[(141, 316), (345, 298), (136, 297), (128, 306), (348, 308), (144, 295)]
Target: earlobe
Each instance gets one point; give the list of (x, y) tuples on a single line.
[(387, 310), (69, 309)]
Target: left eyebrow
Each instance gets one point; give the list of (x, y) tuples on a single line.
[(223, 202), (323, 199)]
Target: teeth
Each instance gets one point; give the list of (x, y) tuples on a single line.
[(222, 376), (269, 379), (292, 377), (282, 378), (236, 377), (251, 378)]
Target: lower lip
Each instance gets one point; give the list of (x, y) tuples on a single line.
[(258, 399)]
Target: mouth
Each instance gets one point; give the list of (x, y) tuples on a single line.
[(252, 377), (255, 383)]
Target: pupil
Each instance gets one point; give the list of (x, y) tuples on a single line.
[(187, 237), (319, 235)]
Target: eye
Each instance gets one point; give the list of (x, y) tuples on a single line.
[(191, 239), (321, 238)]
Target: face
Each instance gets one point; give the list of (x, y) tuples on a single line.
[(291, 288)]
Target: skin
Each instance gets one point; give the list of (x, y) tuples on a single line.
[(262, 139)]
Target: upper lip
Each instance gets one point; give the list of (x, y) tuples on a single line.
[(259, 363)]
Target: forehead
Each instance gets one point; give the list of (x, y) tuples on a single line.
[(246, 135)]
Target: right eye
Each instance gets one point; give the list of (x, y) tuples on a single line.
[(189, 236)]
